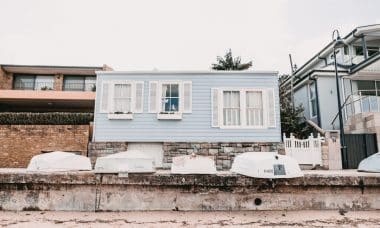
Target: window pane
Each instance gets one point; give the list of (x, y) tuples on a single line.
[(24, 82), (122, 98), (90, 83), (170, 98), (254, 110), (165, 90), (231, 108), (358, 50), (73, 83), (44, 83), (174, 91), (366, 87)]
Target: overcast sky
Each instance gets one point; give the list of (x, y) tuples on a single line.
[(174, 34)]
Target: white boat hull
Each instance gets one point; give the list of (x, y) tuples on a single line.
[(370, 164), (190, 164), (59, 161), (125, 162), (266, 165)]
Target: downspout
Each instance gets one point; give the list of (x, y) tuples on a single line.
[(317, 100)]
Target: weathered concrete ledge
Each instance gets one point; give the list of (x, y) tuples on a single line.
[(86, 191)]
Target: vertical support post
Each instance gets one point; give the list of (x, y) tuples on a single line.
[(341, 127), (364, 46)]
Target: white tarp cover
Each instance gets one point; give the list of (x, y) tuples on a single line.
[(370, 164), (59, 161), (266, 165), (192, 164), (132, 161)]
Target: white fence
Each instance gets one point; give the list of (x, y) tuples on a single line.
[(305, 151)]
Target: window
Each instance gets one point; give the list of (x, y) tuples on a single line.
[(79, 83), (254, 106), (366, 87), (312, 100), (231, 108), (358, 50), (33, 82), (243, 108), (122, 99), (372, 50), (170, 99), (346, 50)]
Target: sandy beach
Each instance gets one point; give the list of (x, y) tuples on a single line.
[(43, 219)]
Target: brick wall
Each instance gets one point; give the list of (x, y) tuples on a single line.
[(6, 80), (19, 143), (58, 82)]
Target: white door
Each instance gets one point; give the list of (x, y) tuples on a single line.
[(153, 150)]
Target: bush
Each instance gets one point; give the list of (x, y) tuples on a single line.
[(48, 118)]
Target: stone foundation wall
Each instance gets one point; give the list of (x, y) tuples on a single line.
[(19, 143), (86, 191), (100, 149), (223, 153)]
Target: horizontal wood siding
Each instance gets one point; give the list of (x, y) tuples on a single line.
[(195, 126)]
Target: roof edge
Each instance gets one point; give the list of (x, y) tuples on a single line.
[(185, 72)]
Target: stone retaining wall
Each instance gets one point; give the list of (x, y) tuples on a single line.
[(86, 191), (19, 143)]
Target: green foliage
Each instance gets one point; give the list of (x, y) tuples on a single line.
[(48, 118), (293, 120), (230, 63)]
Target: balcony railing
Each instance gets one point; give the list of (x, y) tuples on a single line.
[(79, 87), (34, 85), (360, 102)]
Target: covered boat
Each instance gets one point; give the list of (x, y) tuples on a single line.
[(266, 165), (132, 161), (370, 164), (193, 164), (59, 161)]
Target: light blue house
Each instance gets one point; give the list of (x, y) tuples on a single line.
[(167, 114)]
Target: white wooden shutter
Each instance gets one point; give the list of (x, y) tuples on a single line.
[(139, 97), (215, 107), (271, 108), (105, 97), (187, 97), (153, 97)]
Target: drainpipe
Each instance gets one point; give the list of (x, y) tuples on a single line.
[(364, 46), (317, 100)]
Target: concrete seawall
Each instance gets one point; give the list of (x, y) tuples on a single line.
[(86, 191)]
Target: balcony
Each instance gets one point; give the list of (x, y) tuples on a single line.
[(32, 85), (80, 86)]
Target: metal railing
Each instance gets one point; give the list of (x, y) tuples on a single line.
[(359, 102), (34, 85), (79, 87)]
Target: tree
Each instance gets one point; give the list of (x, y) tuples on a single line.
[(230, 63), (292, 119)]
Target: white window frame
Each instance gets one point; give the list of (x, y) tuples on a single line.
[(243, 119), (121, 116), (310, 100), (161, 115)]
